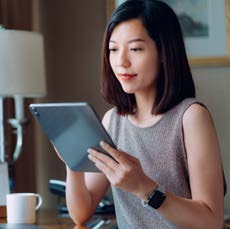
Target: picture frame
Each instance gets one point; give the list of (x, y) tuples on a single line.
[(209, 44)]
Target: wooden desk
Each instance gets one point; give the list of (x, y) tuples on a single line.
[(49, 219)]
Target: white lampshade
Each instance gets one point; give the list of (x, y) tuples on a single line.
[(22, 64)]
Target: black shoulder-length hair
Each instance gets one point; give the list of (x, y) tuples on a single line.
[(175, 82)]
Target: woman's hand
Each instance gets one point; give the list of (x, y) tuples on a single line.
[(125, 173), (67, 168), (56, 151)]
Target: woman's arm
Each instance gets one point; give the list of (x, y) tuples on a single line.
[(205, 209), (84, 191)]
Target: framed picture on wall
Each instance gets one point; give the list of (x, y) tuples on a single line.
[(206, 29)]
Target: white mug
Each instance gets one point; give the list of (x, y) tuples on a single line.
[(22, 207)]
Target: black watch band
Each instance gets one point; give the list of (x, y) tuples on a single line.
[(156, 198)]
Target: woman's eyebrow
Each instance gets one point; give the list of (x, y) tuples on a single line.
[(136, 40), (130, 41)]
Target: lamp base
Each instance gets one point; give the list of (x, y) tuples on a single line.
[(2, 211)]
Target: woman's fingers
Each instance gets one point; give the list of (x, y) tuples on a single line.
[(123, 173), (97, 156), (119, 155), (102, 162)]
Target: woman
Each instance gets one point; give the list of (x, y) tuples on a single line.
[(167, 171)]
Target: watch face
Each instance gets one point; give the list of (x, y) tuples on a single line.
[(157, 199)]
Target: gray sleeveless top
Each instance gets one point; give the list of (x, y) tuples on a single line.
[(161, 151)]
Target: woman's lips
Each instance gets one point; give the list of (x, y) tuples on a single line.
[(127, 76)]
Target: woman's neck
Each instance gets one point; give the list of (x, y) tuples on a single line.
[(143, 116), (145, 103)]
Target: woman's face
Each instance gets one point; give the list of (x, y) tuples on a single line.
[(134, 57)]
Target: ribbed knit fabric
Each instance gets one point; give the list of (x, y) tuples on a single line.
[(161, 151)]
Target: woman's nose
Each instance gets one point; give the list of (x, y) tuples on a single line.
[(123, 60)]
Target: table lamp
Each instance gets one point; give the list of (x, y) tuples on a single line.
[(22, 75)]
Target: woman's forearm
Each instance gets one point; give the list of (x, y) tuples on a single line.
[(78, 198), (191, 214), (186, 213)]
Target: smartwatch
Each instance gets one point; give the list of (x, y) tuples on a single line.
[(156, 198)]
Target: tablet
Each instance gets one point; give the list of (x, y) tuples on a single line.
[(72, 128)]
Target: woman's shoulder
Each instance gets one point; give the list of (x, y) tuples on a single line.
[(191, 110), (196, 111), (107, 117), (189, 105), (193, 107)]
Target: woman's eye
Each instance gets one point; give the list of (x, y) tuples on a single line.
[(136, 49), (112, 49)]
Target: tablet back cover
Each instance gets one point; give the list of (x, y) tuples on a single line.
[(72, 128)]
